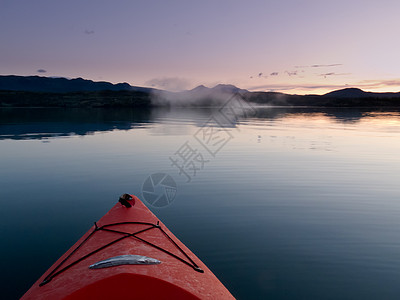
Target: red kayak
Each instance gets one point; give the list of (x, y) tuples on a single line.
[(128, 254)]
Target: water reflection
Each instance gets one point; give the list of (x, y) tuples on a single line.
[(45, 123), (309, 195)]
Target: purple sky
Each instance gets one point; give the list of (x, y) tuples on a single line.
[(292, 46)]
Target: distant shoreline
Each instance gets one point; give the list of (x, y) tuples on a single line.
[(102, 99), (35, 91), (115, 99)]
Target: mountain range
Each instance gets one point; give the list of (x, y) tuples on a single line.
[(47, 91), (61, 85)]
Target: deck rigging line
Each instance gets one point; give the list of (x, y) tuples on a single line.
[(125, 235)]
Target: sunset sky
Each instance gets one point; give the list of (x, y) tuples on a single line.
[(309, 46)]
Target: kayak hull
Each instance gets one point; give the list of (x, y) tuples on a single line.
[(129, 231)]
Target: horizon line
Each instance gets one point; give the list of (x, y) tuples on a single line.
[(365, 86)]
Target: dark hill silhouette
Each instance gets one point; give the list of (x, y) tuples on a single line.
[(228, 88), (223, 88), (355, 93), (29, 91), (347, 93), (199, 88), (61, 85)]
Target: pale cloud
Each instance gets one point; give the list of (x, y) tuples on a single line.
[(326, 66), (319, 66), (291, 73), (333, 74), (288, 87), (377, 85), (259, 75), (173, 84)]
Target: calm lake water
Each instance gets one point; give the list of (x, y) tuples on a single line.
[(295, 203)]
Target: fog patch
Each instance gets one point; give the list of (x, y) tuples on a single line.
[(199, 96), (172, 84)]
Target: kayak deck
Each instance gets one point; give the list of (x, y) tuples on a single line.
[(136, 232)]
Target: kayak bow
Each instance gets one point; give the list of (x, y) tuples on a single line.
[(128, 254)]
